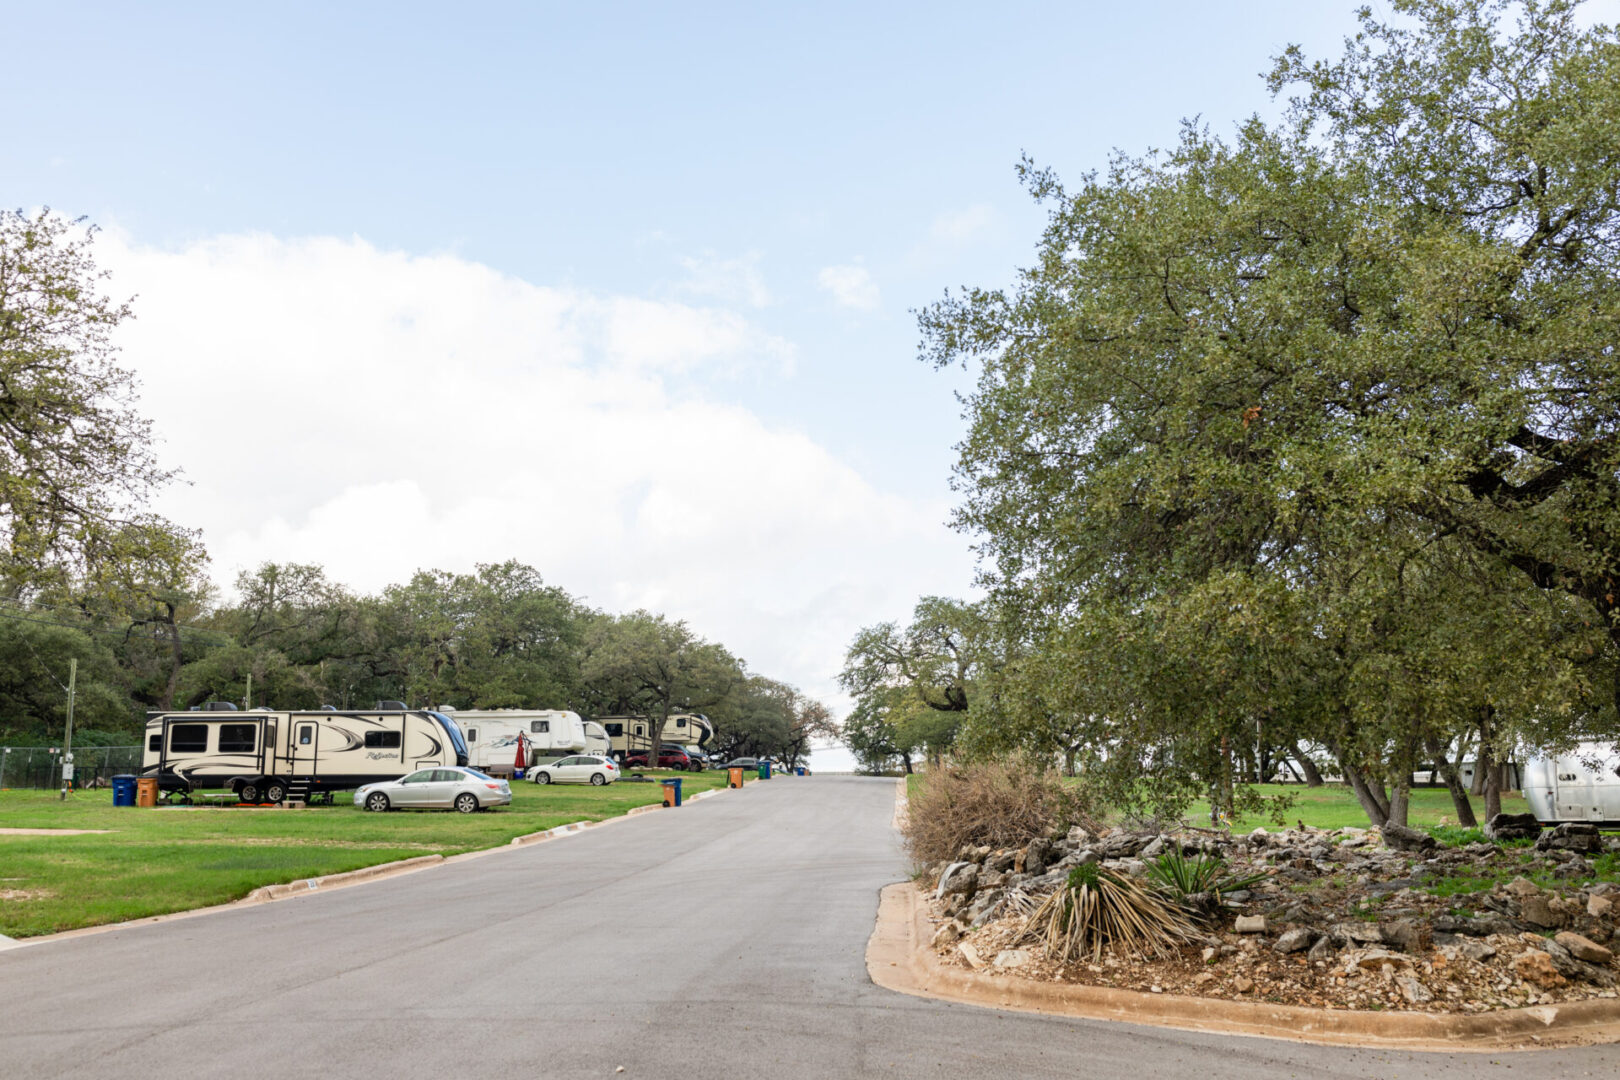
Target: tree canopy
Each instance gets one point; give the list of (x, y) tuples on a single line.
[(1315, 430)]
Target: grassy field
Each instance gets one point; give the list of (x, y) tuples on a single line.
[(177, 858), (1334, 806)]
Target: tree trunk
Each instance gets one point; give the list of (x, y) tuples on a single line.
[(1313, 778), (1448, 772), (906, 758), (1400, 799), (1375, 807), (1493, 788)]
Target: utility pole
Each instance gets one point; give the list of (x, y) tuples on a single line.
[(67, 747)]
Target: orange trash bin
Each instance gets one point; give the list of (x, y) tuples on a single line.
[(146, 791), (734, 778)]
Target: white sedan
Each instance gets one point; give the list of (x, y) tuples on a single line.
[(580, 769), (455, 788)]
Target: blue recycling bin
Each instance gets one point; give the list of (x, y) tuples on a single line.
[(798, 770), (672, 791), (123, 786)]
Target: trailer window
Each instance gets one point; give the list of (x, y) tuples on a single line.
[(238, 738), (472, 734), (188, 738), (614, 730), (540, 727), (681, 722), (306, 734), (382, 740), (154, 743)]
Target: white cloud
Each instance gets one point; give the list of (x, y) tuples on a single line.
[(962, 226), (851, 285), (378, 412), (730, 281)]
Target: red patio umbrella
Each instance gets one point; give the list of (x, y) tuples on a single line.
[(518, 761)]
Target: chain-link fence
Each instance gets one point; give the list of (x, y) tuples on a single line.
[(41, 766)]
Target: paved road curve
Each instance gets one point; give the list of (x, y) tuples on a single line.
[(726, 938)]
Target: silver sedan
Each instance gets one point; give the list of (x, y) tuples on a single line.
[(457, 788)]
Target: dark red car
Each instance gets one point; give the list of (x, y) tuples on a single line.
[(667, 759)]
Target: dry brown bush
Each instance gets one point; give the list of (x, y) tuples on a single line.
[(1000, 803)]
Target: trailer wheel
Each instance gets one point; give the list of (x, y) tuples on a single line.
[(248, 792), (597, 779), (275, 791), (377, 801), (466, 802)]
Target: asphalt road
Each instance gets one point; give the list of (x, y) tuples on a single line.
[(726, 938)]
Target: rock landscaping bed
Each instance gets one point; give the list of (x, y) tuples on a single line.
[(1350, 918)]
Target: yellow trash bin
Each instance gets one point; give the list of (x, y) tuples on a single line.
[(146, 791), (734, 778)]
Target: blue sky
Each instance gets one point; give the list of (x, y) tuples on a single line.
[(647, 271)]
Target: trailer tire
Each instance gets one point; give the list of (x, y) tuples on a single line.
[(377, 802), (597, 779), (248, 792), (467, 803), (275, 791)]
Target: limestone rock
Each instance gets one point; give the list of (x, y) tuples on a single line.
[(1296, 940), (961, 879), (1536, 911), (947, 934), (975, 961), (1598, 906), (1243, 984), (1537, 968), (1572, 836), (1412, 990), (1250, 924), (1012, 958), (1408, 936), (1513, 827), (1583, 948), (1402, 838)]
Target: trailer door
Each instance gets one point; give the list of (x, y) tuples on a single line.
[(1574, 798), (304, 745)]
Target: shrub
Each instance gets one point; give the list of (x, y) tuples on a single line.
[(1200, 880), (1001, 804), (1097, 909)]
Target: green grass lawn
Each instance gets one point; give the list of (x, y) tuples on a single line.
[(177, 858), (1332, 806)]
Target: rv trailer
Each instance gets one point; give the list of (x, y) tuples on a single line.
[(596, 739), (1565, 788), (629, 734), (492, 735), (268, 756)]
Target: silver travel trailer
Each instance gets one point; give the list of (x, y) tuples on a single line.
[(267, 756), (1565, 788), (492, 735), (630, 733)]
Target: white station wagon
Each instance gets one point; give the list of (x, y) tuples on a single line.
[(579, 769)]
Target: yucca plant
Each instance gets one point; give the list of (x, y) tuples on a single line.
[(1097, 909), (1202, 876)]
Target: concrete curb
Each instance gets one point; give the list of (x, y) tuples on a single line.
[(332, 881), (898, 958)]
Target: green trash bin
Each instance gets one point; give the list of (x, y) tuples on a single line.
[(764, 770)]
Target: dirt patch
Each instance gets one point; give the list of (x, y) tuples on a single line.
[(51, 832), (26, 894)]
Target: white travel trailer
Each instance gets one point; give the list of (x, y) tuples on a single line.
[(492, 735), (267, 756), (630, 733), (596, 739), (1566, 788)]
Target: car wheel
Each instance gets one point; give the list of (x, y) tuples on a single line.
[(542, 778), (274, 791), (466, 802), (377, 801), (248, 793), (597, 779)]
